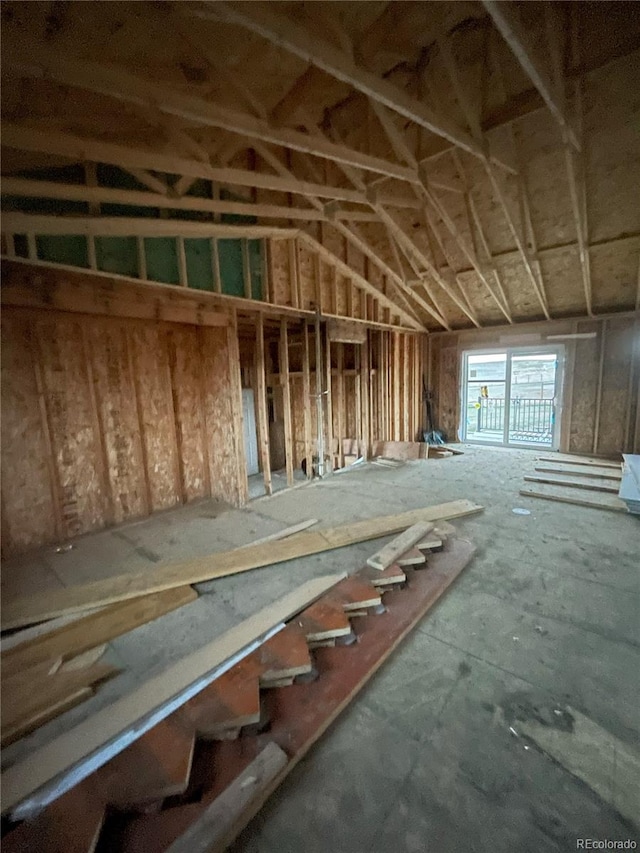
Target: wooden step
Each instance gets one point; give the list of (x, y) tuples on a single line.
[(155, 766), (389, 577), (228, 703), (355, 594), (284, 656), (324, 620), (413, 557), (71, 824)]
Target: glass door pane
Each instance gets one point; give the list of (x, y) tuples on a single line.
[(532, 394), (486, 381)]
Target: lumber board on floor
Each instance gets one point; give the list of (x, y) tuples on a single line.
[(85, 633), (591, 473), (33, 696), (612, 504), (121, 587), (383, 558), (579, 460), (283, 534), (573, 484), (51, 770)]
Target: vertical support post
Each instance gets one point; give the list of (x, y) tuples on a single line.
[(32, 246), (357, 386), (215, 266), (182, 263), (142, 259), (91, 180), (396, 387), (306, 394), (319, 396), (294, 281), (366, 397), (235, 390), (263, 418), (329, 398), (286, 399), (603, 346), (340, 404), (246, 268)]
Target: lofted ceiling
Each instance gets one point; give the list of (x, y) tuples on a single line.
[(484, 156)]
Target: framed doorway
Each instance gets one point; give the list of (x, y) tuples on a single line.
[(511, 397)]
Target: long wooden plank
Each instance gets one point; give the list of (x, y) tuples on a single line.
[(398, 546), (51, 770), (101, 627), (12, 732), (600, 474), (121, 587), (578, 460), (573, 484), (618, 506), (216, 825), (33, 695), (283, 534)]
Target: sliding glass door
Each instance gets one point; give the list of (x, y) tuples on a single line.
[(510, 396)]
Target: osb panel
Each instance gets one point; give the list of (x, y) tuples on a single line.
[(341, 300), (611, 100), (614, 274), (153, 386), (186, 365), (447, 392), (74, 427), (115, 394), (519, 289), (306, 272), (585, 384), (280, 276), (617, 365), (217, 401), (562, 276), (28, 516)]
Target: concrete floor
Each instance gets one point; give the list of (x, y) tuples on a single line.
[(547, 616)]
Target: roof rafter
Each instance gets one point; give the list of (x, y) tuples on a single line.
[(506, 17)]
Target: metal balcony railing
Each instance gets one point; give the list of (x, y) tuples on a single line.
[(529, 418)]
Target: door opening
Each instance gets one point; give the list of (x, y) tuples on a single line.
[(511, 397)]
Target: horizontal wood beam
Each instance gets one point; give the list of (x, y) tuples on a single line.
[(28, 188), (38, 61), (309, 46), (81, 149), (45, 285), (129, 226)]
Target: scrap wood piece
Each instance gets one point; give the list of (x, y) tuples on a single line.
[(85, 633), (573, 484), (299, 716), (282, 534), (221, 821), (398, 546), (32, 697), (611, 504), (34, 608), (51, 770)]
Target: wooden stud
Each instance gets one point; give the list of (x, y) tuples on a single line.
[(32, 247), (340, 404), (286, 399), (235, 387), (329, 406), (142, 258), (306, 394), (263, 418), (246, 269), (182, 263), (598, 405)]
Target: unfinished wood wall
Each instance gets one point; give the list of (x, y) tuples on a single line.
[(601, 393), (375, 393), (106, 419)]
